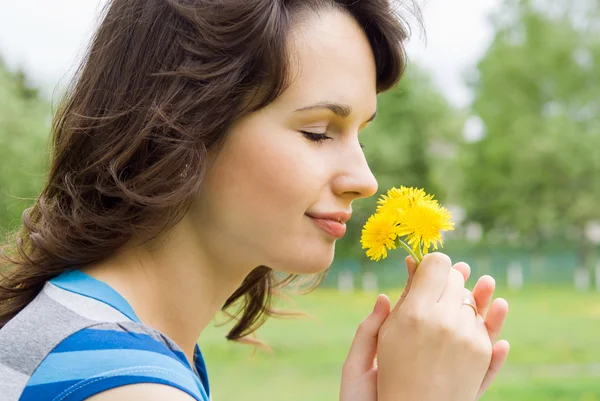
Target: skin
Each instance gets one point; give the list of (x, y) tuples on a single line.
[(253, 202), (360, 372)]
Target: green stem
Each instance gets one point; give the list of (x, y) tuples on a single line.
[(410, 251), (420, 254)]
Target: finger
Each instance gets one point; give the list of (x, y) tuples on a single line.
[(469, 314), (464, 268), (483, 293), (454, 292), (363, 350), (411, 267), (429, 281), (499, 354), (496, 317)]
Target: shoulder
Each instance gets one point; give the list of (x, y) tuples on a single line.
[(117, 357)]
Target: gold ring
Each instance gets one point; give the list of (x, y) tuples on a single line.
[(470, 302)]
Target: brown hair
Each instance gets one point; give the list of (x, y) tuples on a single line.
[(161, 83)]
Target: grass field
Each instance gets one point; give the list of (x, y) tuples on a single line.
[(554, 335)]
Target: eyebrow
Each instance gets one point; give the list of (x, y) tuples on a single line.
[(341, 110)]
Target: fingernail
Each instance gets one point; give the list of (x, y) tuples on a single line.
[(376, 303)]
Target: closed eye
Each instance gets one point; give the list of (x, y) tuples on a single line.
[(316, 137), (319, 138)]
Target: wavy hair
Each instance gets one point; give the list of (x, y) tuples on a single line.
[(160, 85)]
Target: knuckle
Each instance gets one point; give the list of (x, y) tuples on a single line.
[(485, 349), (442, 258), (364, 328), (465, 264), (456, 277), (446, 328), (347, 367), (438, 258), (467, 343), (481, 349), (413, 318)]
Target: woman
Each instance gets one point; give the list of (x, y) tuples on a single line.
[(205, 145)]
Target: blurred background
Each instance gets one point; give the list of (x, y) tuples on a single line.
[(498, 116)]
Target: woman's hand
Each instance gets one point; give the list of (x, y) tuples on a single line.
[(359, 376), (493, 316)]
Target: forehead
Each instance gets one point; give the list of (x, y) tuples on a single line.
[(331, 59)]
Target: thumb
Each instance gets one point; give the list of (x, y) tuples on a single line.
[(411, 267), (363, 350)]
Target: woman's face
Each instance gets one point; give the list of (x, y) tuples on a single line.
[(272, 195)]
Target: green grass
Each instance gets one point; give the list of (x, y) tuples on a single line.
[(554, 335)]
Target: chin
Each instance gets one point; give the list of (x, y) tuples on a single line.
[(306, 263)]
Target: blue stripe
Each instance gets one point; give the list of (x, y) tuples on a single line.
[(93, 339), (100, 386), (45, 391), (83, 284), (79, 365), (81, 390), (80, 283), (201, 368)]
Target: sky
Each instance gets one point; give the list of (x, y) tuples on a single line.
[(46, 38)]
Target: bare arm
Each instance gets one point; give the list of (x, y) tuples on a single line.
[(142, 392)]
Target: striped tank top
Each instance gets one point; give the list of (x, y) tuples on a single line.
[(79, 337)]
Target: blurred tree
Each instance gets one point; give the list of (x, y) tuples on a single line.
[(411, 142), (535, 173), (24, 127), (22, 86)]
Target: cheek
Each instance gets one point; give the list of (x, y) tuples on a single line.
[(266, 177), (256, 194)]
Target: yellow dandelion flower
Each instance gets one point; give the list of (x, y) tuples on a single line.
[(379, 235), (400, 199), (422, 224)]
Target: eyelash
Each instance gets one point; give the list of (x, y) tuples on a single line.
[(319, 138)]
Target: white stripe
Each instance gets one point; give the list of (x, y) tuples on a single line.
[(12, 383), (86, 307)]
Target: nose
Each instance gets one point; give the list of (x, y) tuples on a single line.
[(354, 179)]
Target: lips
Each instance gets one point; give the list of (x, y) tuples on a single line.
[(333, 224)]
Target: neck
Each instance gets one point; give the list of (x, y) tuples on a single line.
[(172, 284)]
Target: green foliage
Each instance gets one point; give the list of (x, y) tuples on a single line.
[(536, 90), (24, 127)]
